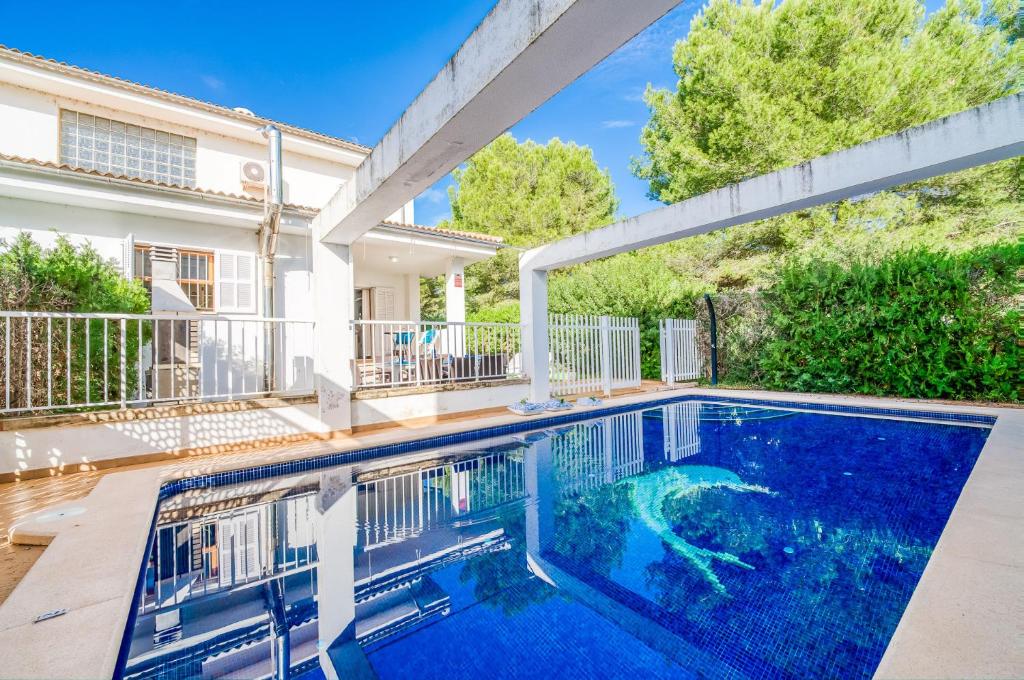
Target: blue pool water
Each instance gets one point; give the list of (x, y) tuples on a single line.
[(685, 540)]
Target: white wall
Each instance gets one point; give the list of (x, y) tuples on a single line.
[(29, 127), (412, 406), (106, 230), (67, 446)]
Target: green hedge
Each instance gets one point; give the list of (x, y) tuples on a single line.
[(917, 324)]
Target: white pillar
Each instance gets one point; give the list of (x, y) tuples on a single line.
[(333, 292), (336, 543), (533, 314), (455, 291), (455, 310), (412, 295)]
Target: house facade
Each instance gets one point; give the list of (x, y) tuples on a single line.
[(172, 191), (128, 167)]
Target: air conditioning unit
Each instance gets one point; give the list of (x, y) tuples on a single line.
[(253, 175)]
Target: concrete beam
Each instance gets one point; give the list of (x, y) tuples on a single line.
[(520, 55), (978, 136)]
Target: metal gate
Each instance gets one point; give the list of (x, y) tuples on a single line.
[(680, 359), (593, 353)]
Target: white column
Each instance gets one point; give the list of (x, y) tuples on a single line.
[(455, 310), (455, 291), (533, 314), (412, 295), (332, 296), (336, 542)]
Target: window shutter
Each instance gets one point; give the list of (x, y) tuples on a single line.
[(236, 282), (226, 544), (383, 304), (128, 257)]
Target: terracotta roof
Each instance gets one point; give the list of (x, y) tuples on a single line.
[(143, 182), (122, 84), (438, 231)]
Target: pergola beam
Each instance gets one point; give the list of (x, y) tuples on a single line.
[(519, 56), (978, 136)]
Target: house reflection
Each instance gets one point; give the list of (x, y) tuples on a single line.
[(273, 578)]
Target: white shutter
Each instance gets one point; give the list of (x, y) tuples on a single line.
[(249, 530), (236, 282), (128, 257), (226, 545), (383, 304)]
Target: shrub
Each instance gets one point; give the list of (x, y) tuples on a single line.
[(65, 279), (916, 324)]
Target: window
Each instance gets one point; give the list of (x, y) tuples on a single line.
[(195, 274), (118, 148)]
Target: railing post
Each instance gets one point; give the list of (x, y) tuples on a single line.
[(124, 362), (606, 355), (669, 362), (28, 362)]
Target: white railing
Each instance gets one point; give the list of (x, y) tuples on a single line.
[(402, 506), (593, 353), (680, 358), (406, 353), (220, 551), (591, 454), (57, 361)]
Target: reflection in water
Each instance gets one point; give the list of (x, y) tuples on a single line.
[(686, 539)]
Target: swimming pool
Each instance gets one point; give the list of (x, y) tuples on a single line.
[(687, 538)]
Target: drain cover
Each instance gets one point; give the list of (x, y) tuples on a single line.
[(46, 616)]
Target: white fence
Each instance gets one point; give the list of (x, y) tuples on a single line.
[(57, 361), (680, 359), (406, 353), (593, 353)]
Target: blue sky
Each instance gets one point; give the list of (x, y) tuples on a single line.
[(343, 68)]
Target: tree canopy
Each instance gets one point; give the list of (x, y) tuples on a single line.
[(767, 86), (527, 193)]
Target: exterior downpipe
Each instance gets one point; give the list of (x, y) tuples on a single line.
[(273, 202)]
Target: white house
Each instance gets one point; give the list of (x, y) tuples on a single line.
[(172, 189)]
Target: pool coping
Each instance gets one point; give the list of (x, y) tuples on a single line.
[(960, 622)]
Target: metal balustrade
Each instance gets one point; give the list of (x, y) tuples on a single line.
[(67, 361), (593, 353), (680, 357), (407, 353)]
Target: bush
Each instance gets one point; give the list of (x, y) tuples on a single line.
[(65, 279), (916, 324), (501, 312)]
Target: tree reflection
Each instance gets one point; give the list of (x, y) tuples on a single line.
[(591, 528), (501, 578)]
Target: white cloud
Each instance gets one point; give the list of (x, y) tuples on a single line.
[(433, 196), (212, 82), (440, 217), (612, 124), (656, 41)]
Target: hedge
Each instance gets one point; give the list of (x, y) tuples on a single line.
[(916, 324)]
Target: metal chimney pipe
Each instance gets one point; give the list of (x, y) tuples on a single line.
[(273, 194), (273, 202)]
